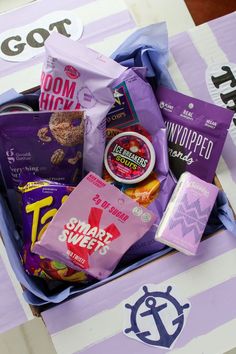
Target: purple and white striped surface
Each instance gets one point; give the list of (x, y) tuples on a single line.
[(100, 19), (196, 56), (106, 24), (93, 322), (14, 310)]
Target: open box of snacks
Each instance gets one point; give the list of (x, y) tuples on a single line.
[(88, 190)]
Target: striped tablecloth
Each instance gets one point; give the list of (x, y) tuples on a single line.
[(106, 24), (13, 308), (93, 323)]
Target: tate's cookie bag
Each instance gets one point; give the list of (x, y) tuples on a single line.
[(196, 132), (76, 77), (94, 228), (40, 201)]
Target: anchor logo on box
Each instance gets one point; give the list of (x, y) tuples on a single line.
[(157, 317)]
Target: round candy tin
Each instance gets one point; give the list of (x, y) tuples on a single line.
[(15, 107), (129, 157)]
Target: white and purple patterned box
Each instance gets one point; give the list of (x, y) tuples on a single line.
[(187, 213)]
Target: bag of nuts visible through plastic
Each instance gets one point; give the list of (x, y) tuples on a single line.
[(44, 143)]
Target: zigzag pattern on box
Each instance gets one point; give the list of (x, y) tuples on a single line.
[(191, 218), (192, 213)]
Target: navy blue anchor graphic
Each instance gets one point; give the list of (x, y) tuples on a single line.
[(150, 299)]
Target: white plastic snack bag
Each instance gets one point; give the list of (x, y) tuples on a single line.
[(76, 77)]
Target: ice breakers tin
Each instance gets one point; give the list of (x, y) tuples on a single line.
[(129, 157)]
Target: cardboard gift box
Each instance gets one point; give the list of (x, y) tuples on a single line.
[(84, 305), (100, 24)]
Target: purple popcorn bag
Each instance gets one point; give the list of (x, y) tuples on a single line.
[(135, 103), (76, 77), (136, 108), (134, 99), (196, 132)]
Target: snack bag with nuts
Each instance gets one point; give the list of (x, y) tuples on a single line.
[(136, 110), (40, 201), (45, 143), (196, 133), (76, 77), (94, 228)]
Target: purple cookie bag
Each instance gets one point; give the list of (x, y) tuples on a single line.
[(27, 144)]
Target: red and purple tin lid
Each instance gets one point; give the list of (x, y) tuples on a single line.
[(129, 157), (15, 107)]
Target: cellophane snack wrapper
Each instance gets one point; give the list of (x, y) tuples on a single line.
[(76, 77), (41, 199), (196, 132), (136, 109), (94, 228)]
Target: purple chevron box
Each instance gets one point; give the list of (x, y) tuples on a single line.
[(187, 214)]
